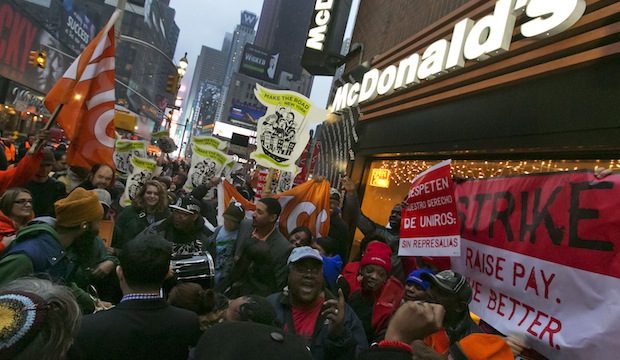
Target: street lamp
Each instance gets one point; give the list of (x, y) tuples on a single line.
[(182, 65), (174, 83)]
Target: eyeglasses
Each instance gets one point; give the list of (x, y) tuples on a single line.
[(23, 201)]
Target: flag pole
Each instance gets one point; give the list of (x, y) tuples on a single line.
[(39, 143), (267, 187)]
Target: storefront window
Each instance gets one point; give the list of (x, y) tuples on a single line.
[(379, 201), (20, 123)]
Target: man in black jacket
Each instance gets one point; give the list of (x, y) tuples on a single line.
[(185, 228), (330, 327), (142, 325)]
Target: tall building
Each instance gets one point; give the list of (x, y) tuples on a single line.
[(206, 86), (278, 48), (142, 70), (244, 34), (283, 29)]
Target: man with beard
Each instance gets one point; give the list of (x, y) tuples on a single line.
[(329, 326), (185, 228), (55, 248), (101, 176), (391, 234)]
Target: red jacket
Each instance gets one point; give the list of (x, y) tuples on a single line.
[(386, 300), (7, 228), (22, 173), (350, 273), (386, 303)]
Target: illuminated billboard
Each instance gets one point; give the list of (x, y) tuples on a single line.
[(246, 113), (259, 63)]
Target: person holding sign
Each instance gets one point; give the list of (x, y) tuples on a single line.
[(367, 226)]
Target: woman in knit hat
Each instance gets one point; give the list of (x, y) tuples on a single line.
[(380, 294), (15, 212)]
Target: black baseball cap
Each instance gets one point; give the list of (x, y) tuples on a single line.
[(450, 282), (188, 204)]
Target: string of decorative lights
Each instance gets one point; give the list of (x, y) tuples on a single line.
[(404, 171)]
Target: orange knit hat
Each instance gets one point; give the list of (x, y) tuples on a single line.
[(80, 205), (482, 347)]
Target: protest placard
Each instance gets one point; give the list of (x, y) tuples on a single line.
[(282, 134), (142, 171), (123, 153), (207, 164), (429, 224)]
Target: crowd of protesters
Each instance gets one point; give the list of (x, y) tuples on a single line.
[(260, 295)]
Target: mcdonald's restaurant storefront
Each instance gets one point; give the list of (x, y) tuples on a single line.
[(501, 87)]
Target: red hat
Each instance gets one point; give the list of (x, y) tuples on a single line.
[(378, 253)]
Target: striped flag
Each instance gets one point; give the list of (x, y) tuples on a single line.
[(87, 92)]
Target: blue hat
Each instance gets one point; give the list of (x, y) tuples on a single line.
[(415, 277)]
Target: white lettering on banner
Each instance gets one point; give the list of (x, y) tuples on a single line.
[(543, 303), (489, 36), (255, 59), (323, 215), (434, 242), (433, 220), (78, 30), (430, 187), (305, 207), (316, 34)]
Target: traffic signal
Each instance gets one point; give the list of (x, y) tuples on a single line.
[(42, 59), (32, 58), (37, 58), (173, 84)]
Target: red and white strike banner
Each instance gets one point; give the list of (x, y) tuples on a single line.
[(429, 223), (542, 255)]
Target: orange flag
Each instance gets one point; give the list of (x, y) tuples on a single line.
[(231, 194), (304, 205), (87, 92)]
